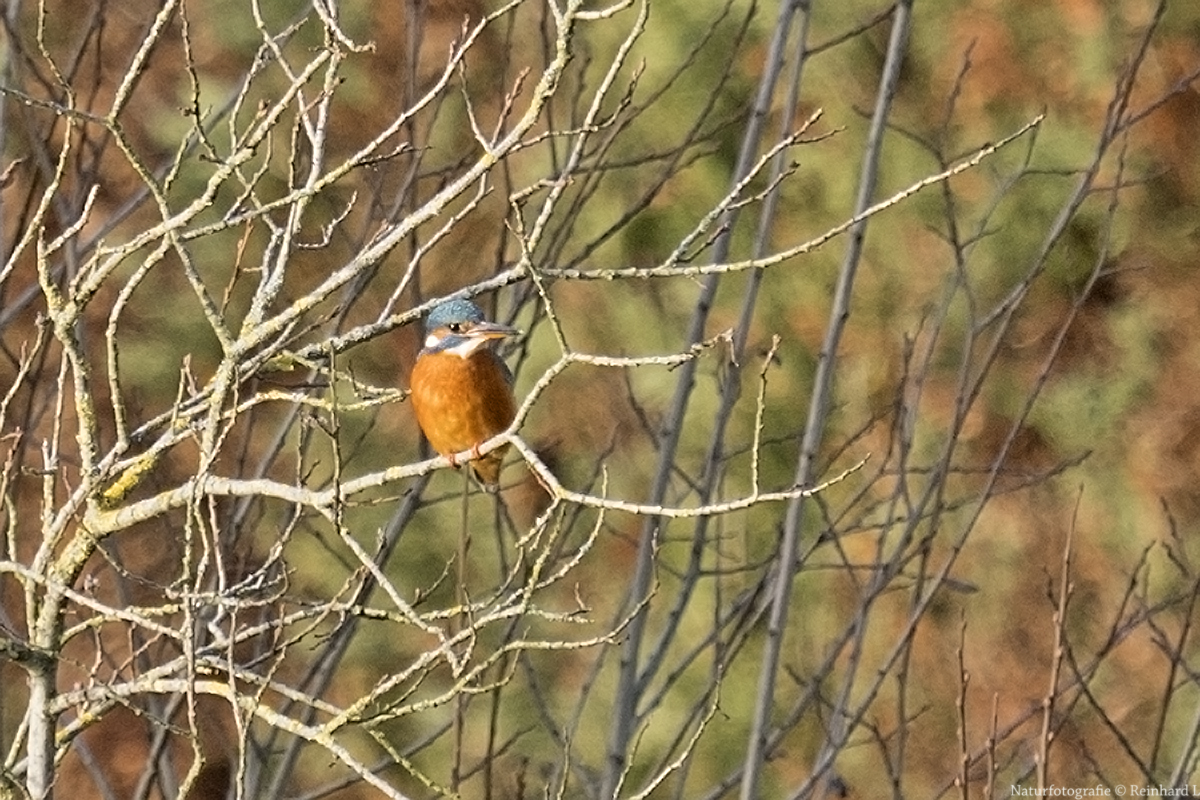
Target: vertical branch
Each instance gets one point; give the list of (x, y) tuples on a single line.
[(1065, 589), (630, 681), (989, 784), (964, 679), (781, 585), (242, 564), (44, 602)]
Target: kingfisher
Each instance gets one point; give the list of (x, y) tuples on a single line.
[(461, 390)]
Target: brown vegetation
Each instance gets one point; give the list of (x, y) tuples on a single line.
[(861, 433)]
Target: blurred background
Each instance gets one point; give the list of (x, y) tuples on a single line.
[(222, 222)]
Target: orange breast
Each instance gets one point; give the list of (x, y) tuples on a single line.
[(461, 403)]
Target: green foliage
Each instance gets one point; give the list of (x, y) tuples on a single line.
[(219, 394)]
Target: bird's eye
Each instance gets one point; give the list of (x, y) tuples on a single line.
[(455, 327)]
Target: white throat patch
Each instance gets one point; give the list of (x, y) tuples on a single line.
[(464, 349)]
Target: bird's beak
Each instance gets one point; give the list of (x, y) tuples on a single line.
[(492, 330)]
